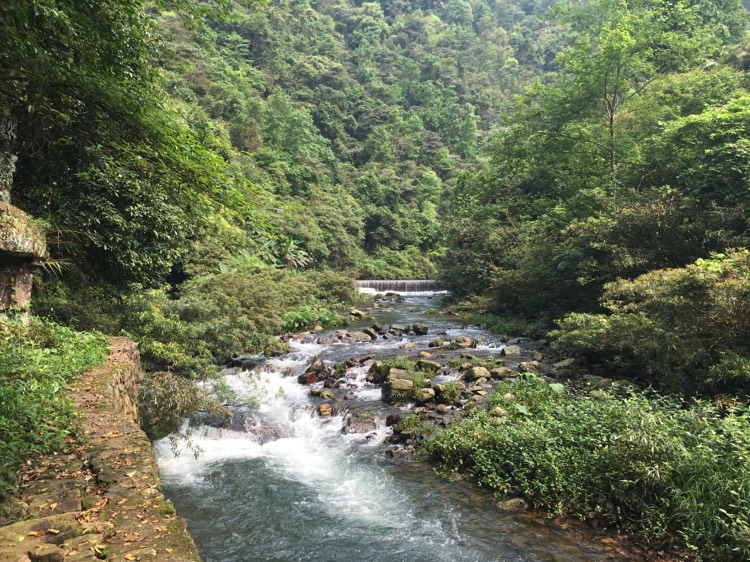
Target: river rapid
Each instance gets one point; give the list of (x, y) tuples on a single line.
[(283, 483)]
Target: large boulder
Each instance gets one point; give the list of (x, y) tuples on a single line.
[(424, 395), (360, 423), (449, 393), (397, 329), (398, 386), (373, 335), (476, 373), (530, 367), (565, 363), (359, 337), (377, 373), (465, 342), (510, 350), (429, 366), (501, 373), (401, 384)]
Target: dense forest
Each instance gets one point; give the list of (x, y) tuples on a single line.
[(215, 173)]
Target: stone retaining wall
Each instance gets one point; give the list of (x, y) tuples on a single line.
[(103, 499)]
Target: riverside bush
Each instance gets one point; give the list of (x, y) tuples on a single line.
[(36, 364), (684, 329), (212, 317), (672, 473)]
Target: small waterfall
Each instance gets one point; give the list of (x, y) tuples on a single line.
[(400, 285)]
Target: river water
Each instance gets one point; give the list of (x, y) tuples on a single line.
[(287, 484)]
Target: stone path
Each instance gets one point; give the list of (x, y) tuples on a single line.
[(101, 501)]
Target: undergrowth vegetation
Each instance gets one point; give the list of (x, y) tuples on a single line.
[(36, 364), (673, 473), (683, 329), (212, 317)]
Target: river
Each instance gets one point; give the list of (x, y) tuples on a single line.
[(287, 484)]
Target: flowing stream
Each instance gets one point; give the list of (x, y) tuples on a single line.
[(283, 483)]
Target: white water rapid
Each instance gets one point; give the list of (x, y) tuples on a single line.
[(284, 483)]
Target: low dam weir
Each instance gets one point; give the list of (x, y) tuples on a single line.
[(400, 285)]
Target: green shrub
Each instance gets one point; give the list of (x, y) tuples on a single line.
[(215, 317), (671, 473), (164, 400), (36, 364), (211, 317), (677, 328), (312, 313)]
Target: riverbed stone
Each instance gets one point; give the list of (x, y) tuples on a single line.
[(325, 409), (420, 329), (465, 342), (372, 334), (424, 355), (529, 367), (437, 342), (510, 350), (501, 373), (359, 337), (475, 373), (308, 378), (326, 395), (356, 313), (565, 363), (392, 419), (425, 394), (514, 504), (397, 329), (332, 382), (401, 384), (426, 365), (360, 423)]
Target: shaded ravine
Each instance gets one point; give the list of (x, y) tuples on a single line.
[(287, 484)]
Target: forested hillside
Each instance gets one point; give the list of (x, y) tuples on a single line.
[(213, 174), (632, 158), (355, 120), (232, 140), (204, 170)]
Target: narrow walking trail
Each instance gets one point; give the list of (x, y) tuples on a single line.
[(102, 500)]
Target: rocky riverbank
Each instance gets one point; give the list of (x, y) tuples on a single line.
[(102, 499)]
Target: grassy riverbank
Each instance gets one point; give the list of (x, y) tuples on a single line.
[(36, 364), (671, 473)]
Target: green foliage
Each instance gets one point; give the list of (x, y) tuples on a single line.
[(126, 180), (36, 364), (451, 393), (682, 329), (218, 316), (164, 400), (312, 313), (629, 159), (671, 473)]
